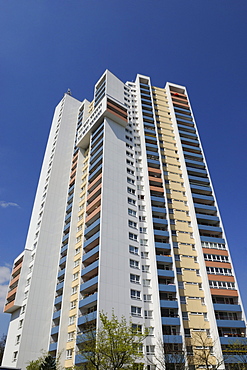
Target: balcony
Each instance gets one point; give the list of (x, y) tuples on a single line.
[(195, 155), (58, 299), (201, 189), (96, 155), (86, 257), (170, 321), (198, 179), (167, 288), (97, 146), (206, 198), (230, 323), (199, 216), (192, 148), (155, 146), (56, 314), (186, 134), (205, 208), (166, 259), (161, 233), (61, 273), (52, 346), (196, 171), (165, 273), (64, 250), (96, 164), (62, 261), (59, 287), (160, 245), (213, 229), (90, 268), (168, 304), (87, 318), (88, 300), (55, 330), (159, 210), (95, 173), (160, 221), (91, 239), (231, 339), (65, 237), (172, 339), (227, 307), (212, 239), (94, 227), (88, 285)]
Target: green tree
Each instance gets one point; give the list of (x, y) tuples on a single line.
[(117, 344), (45, 362), (2, 346), (49, 363)]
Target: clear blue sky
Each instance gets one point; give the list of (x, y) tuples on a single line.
[(50, 46)]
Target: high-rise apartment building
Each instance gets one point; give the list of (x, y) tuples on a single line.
[(124, 218)]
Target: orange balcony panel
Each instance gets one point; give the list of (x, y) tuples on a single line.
[(224, 292), (92, 245), (180, 104), (94, 191), (93, 204), (116, 114), (8, 306), (94, 181), (75, 158), (156, 179), (14, 280), (16, 268), (215, 251), (225, 265), (156, 188), (12, 292), (72, 181), (73, 173), (97, 210), (180, 98), (151, 169), (220, 278), (177, 94)]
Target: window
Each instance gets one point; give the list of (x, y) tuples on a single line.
[(134, 264), (142, 218), (136, 311), (71, 320), (150, 349), (77, 250), (179, 270), (145, 268), (135, 279), (135, 294), (181, 285), (131, 201), (23, 309), (75, 276), (15, 356), (18, 339), (183, 299), (74, 290), (76, 263), (146, 282), (132, 224), (143, 230), (131, 212), (20, 324), (133, 237), (131, 172), (73, 304), (147, 297), (148, 314), (69, 354), (133, 250), (187, 333), (185, 316), (70, 336), (130, 190), (136, 328), (144, 254), (130, 181), (144, 242)]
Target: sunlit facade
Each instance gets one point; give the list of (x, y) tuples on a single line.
[(124, 218)]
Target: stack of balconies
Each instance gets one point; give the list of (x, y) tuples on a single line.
[(221, 280), (165, 271), (91, 246)]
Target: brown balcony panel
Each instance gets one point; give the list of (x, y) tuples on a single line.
[(155, 179), (12, 292), (94, 181), (94, 191), (89, 217), (156, 188), (215, 277), (94, 204), (225, 265), (224, 292), (215, 251)]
